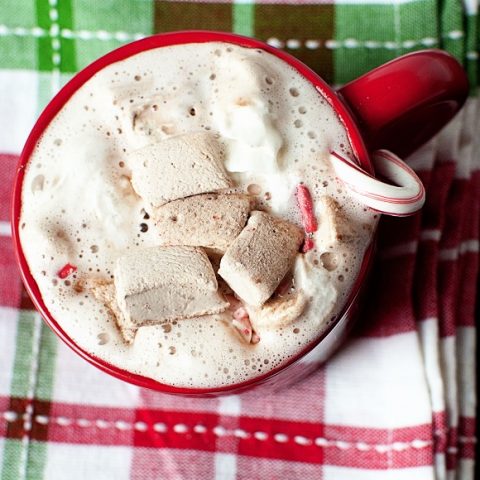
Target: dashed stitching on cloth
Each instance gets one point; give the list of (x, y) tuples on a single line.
[(67, 33), (350, 43), (54, 35), (292, 43), (220, 431)]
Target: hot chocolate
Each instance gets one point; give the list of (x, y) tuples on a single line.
[(182, 220)]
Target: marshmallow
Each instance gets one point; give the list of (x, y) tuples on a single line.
[(258, 259), (209, 220), (278, 312), (158, 284), (179, 167), (104, 291), (334, 224)]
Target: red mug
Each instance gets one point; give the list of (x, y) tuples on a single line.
[(397, 106)]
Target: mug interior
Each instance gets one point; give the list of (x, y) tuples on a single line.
[(57, 103)]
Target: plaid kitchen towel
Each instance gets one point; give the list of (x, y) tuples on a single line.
[(397, 402)]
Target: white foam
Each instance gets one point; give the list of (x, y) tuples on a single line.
[(278, 131)]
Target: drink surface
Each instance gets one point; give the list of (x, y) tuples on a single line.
[(79, 207)]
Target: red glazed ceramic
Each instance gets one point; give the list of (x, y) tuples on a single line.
[(397, 106)]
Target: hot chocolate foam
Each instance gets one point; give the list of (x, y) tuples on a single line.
[(79, 206)]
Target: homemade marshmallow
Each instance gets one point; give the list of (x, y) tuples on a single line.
[(209, 220), (279, 311), (259, 258), (334, 224), (179, 167), (104, 291), (158, 284)]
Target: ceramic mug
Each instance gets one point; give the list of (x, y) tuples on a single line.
[(397, 106)]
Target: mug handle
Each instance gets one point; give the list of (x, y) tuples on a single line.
[(403, 103)]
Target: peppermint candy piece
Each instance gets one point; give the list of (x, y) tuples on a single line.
[(404, 196)]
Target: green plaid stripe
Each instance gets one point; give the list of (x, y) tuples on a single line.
[(21, 14), (33, 377), (18, 51), (453, 34), (353, 38), (471, 47), (113, 23), (46, 364), (359, 23), (68, 61), (243, 18), (369, 35), (24, 356), (30, 468), (83, 30), (44, 47), (12, 454)]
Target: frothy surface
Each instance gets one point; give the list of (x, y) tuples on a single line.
[(79, 206)]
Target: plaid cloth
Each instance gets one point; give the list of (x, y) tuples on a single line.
[(398, 401)]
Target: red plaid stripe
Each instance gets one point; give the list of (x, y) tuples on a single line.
[(392, 312), (273, 438), (448, 273), (467, 439), (433, 219), (10, 284), (452, 449), (440, 429), (394, 302), (291, 406), (5, 416), (8, 164), (165, 463), (267, 469), (469, 259), (153, 400)]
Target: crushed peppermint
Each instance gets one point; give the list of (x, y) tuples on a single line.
[(307, 244), (66, 270), (305, 203), (310, 225)]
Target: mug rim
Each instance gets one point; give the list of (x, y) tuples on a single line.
[(56, 104)]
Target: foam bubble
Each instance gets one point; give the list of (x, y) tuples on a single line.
[(38, 183)]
